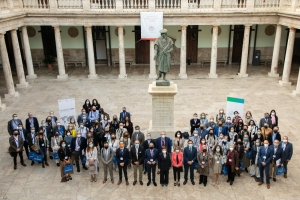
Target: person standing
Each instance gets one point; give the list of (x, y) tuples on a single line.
[(194, 123), (122, 156), (78, 144), (60, 129), (203, 167), (146, 145), (265, 155), (41, 146), (178, 141), (55, 141), (177, 160), (164, 165), (274, 136), (217, 161), (190, 156), (31, 141), (138, 135), (106, 156), (123, 115), (93, 115), (92, 160), (64, 155), (23, 133), (265, 120), (13, 124), (151, 158), (16, 147), (163, 141), (137, 156), (232, 163), (31, 122), (254, 169), (274, 162), (287, 148), (120, 131)]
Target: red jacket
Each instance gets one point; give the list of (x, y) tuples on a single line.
[(180, 159)]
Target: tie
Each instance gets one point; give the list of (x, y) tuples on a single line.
[(190, 149), (137, 153), (151, 152), (163, 142), (137, 136)]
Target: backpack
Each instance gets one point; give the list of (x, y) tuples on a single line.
[(185, 135)]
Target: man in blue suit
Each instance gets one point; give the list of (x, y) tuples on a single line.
[(23, 133), (163, 141), (123, 115), (80, 116), (265, 156), (190, 156), (31, 122), (151, 157), (202, 132), (277, 155), (122, 156), (287, 154), (220, 129)]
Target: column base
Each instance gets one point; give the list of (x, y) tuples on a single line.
[(62, 77), (122, 76), (11, 96), (94, 76), (182, 75), (31, 76), (296, 93), (242, 75), (212, 75), (282, 83), (2, 106), (152, 76), (273, 75), (22, 85)]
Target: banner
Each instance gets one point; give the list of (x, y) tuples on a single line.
[(235, 104), (66, 109), (151, 24)]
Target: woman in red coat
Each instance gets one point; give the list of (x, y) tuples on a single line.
[(177, 159)]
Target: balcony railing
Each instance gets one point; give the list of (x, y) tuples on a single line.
[(167, 4), (267, 4), (204, 4), (39, 4), (103, 4), (69, 4)]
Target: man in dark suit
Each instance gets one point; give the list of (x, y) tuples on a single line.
[(164, 165), (287, 154), (122, 156), (163, 141), (265, 155), (275, 135), (123, 115), (151, 157), (137, 157), (53, 118), (23, 133), (16, 147), (77, 145), (138, 135), (220, 129), (31, 141), (50, 126), (60, 129), (202, 132), (13, 124), (146, 144), (264, 120), (31, 122), (274, 162), (194, 123), (190, 156), (80, 117)]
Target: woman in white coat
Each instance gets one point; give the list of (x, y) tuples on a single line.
[(55, 141), (92, 160)]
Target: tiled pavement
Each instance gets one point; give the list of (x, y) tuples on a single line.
[(195, 94)]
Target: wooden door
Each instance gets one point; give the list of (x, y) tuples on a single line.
[(48, 39), (238, 37), (9, 47), (142, 48), (192, 43), (99, 38)]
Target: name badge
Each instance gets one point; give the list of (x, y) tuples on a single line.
[(264, 157), (151, 160), (121, 158), (274, 156), (218, 162), (43, 145), (203, 162), (69, 145), (66, 158), (229, 160), (210, 145)]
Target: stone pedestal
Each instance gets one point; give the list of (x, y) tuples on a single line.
[(162, 109)]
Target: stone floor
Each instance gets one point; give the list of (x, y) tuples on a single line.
[(195, 94)]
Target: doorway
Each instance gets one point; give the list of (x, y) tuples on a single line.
[(238, 37), (48, 39), (192, 43), (142, 48), (99, 42)]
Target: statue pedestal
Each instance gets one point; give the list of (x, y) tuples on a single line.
[(162, 109)]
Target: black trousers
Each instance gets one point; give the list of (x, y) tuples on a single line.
[(285, 163), (164, 176), (203, 179), (25, 145), (124, 169), (230, 173), (188, 167), (151, 168), (15, 157), (77, 155), (176, 172)]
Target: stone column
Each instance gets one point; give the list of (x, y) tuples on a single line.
[(60, 56), (7, 70), (214, 52), (244, 61), (152, 61), (182, 73), (288, 59), (2, 105), (28, 57), (276, 50), (121, 53), (91, 58), (18, 60), (297, 91)]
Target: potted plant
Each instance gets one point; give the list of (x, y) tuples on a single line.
[(49, 60)]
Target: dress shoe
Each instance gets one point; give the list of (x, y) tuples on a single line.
[(148, 183), (178, 184), (119, 182), (231, 182), (43, 165), (141, 182), (15, 167), (260, 183), (145, 172), (246, 170), (204, 184), (112, 181), (256, 179), (268, 186), (84, 167), (104, 181), (63, 179), (285, 175), (228, 180), (154, 183), (274, 179), (78, 170), (127, 183), (32, 163), (51, 157), (46, 164), (134, 182), (200, 182), (23, 164), (57, 164), (184, 182)]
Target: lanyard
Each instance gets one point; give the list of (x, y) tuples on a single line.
[(16, 141), (78, 142), (65, 151)]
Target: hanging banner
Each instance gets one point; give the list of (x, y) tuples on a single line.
[(235, 104), (151, 24), (66, 109)]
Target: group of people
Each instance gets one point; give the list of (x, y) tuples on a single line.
[(223, 145)]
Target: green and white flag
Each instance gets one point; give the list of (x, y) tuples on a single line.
[(235, 104)]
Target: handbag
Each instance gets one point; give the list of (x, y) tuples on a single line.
[(31, 155), (196, 165), (68, 169), (55, 155), (10, 151), (252, 170), (37, 158), (33, 147), (224, 170), (280, 170), (249, 154), (242, 168)]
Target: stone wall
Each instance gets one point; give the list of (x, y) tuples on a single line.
[(69, 55)]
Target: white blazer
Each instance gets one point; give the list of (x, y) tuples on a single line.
[(92, 155)]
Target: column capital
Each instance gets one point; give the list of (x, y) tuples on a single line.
[(184, 26), (56, 26), (215, 25), (14, 29), (89, 26), (292, 28), (2, 34), (121, 26), (247, 25)]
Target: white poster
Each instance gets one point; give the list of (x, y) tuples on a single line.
[(66, 109), (235, 104), (151, 24)]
